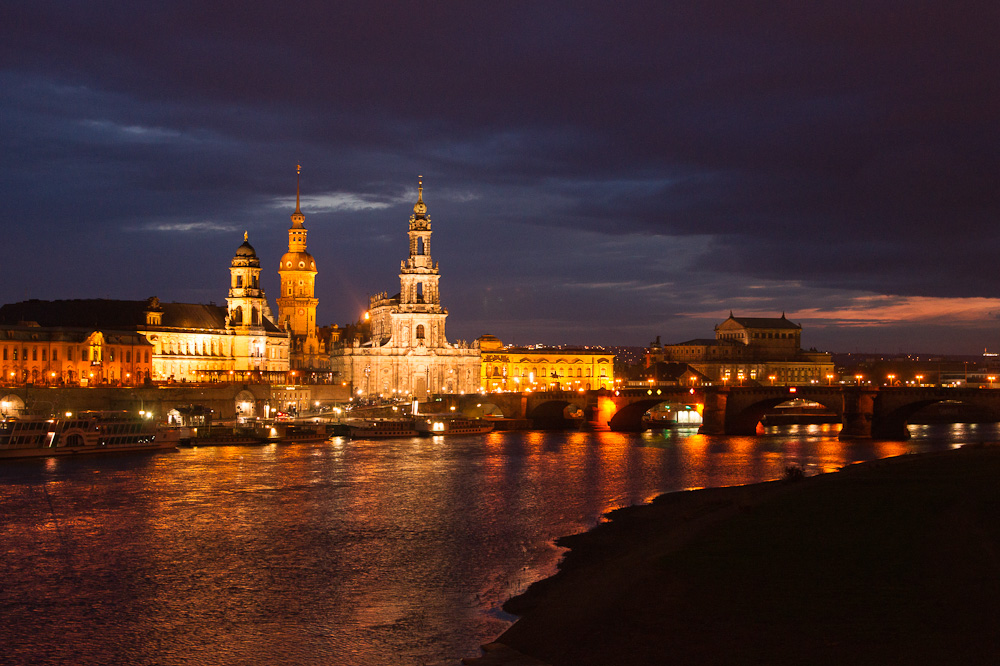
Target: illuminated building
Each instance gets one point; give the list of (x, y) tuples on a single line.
[(186, 341), (63, 355), (296, 299), (749, 350), (544, 369), (407, 352)]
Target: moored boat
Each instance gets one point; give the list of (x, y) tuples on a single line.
[(452, 426), (379, 428), (298, 434), (221, 437), (86, 432)]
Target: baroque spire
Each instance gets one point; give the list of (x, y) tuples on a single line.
[(297, 217), (420, 219)]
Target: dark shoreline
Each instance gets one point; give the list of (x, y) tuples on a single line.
[(889, 561)]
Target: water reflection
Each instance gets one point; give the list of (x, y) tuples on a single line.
[(348, 552)]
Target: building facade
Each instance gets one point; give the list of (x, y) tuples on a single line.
[(186, 342), (407, 351), (749, 350), (543, 369), (30, 354), (297, 299)]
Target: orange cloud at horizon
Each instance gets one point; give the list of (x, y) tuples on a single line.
[(881, 310)]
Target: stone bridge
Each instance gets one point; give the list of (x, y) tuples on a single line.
[(865, 412)]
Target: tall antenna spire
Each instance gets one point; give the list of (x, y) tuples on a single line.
[(298, 173), (420, 189)]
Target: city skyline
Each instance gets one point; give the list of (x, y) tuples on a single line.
[(594, 175)]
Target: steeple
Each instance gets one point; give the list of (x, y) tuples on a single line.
[(420, 219), (297, 299), (297, 217), (418, 273)]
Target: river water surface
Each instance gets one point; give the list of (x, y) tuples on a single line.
[(349, 552)]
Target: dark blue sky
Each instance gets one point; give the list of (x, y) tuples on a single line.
[(596, 173)]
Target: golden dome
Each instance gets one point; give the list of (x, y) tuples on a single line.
[(297, 261)]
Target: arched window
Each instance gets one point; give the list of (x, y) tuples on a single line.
[(237, 316), (255, 316), (420, 331), (239, 281), (420, 246)]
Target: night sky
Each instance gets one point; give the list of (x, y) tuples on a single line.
[(595, 172)]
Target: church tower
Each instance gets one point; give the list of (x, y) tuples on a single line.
[(407, 352), (296, 300), (419, 274), (247, 303), (417, 319), (248, 312)]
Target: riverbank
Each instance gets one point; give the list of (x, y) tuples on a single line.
[(892, 561)]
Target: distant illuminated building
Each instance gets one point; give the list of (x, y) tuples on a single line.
[(749, 350), (543, 368), (407, 352)]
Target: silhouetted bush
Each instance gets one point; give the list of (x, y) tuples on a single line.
[(794, 473)]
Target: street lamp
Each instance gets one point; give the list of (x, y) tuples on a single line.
[(859, 378), (892, 379), (992, 379), (829, 380), (920, 380)]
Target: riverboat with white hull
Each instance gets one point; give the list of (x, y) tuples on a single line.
[(83, 433), (452, 426)]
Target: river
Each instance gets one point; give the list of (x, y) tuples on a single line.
[(348, 552)]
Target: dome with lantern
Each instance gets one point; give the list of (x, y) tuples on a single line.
[(245, 254)]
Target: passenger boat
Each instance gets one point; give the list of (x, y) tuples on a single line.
[(86, 432), (452, 426), (298, 434), (379, 428)]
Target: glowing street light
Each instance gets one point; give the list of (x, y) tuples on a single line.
[(992, 379), (859, 378), (892, 379)]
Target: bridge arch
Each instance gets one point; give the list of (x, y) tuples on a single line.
[(11, 405), (891, 421), (557, 413), (745, 419), (628, 418)]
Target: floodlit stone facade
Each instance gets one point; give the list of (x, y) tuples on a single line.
[(544, 368), (749, 350), (406, 351)]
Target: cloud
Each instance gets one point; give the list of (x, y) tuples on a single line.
[(338, 201), (135, 133), (183, 227), (875, 310)]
